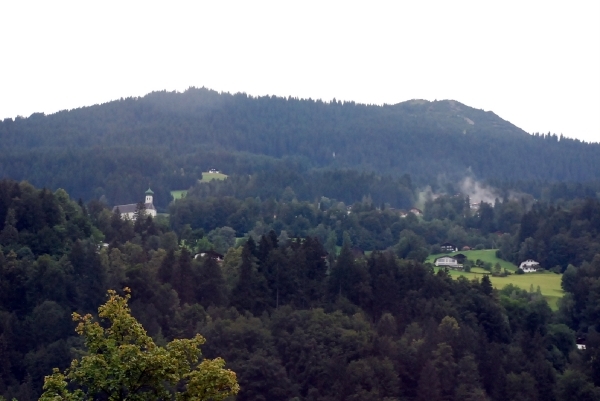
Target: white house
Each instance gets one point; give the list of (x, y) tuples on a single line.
[(529, 266), (210, 254), (128, 211), (448, 261)]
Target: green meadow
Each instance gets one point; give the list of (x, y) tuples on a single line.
[(486, 255), (548, 282), (207, 177), (179, 194)]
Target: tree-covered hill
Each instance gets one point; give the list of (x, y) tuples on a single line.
[(168, 138), (292, 320)]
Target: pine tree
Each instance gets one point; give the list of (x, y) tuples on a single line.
[(167, 267), (184, 280), (486, 285), (429, 384), (211, 284), (243, 295)]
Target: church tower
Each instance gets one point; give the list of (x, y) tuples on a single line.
[(149, 196)]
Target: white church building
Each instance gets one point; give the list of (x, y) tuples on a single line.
[(128, 211)]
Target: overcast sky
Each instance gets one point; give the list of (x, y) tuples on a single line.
[(534, 63)]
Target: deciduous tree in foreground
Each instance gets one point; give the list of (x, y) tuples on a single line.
[(124, 363)]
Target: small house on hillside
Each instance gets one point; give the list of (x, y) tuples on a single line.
[(529, 266), (448, 261), (448, 247), (128, 211), (416, 212), (213, 171), (210, 254)]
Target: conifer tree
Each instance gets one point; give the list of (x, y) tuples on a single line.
[(184, 280), (211, 290), (244, 292)]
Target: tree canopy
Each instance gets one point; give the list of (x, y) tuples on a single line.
[(124, 363)]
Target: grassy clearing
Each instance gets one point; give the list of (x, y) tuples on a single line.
[(207, 177), (486, 255), (549, 282), (179, 194)]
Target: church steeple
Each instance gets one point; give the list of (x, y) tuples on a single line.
[(149, 196)]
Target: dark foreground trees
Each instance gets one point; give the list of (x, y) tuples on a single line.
[(124, 363)]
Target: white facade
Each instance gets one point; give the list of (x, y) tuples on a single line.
[(447, 261), (529, 266), (128, 211)]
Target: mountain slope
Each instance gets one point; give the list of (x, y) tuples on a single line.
[(168, 138)]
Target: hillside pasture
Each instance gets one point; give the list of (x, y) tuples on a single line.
[(548, 282), (180, 194), (486, 255), (207, 177)]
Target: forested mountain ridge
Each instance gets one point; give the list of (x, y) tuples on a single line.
[(168, 138)]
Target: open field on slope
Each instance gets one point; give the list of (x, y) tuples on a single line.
[(549, 282), (206, 176), (179, 194), (486, 255)]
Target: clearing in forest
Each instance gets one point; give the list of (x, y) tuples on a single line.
[(208, 176), (548, 282), (179, 194)]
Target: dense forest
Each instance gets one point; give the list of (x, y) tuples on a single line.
[(115, 150), (308, 269), (294, 318), (560, 228)]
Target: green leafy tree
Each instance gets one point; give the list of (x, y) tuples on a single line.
[(124, 363)]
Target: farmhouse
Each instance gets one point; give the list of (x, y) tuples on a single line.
[(529, 266), (448, 247), (448, 261), (128, 211)]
